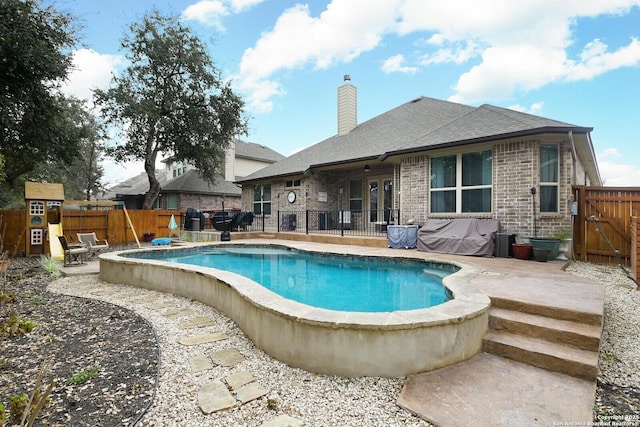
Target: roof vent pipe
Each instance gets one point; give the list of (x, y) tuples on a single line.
[(347, 106)]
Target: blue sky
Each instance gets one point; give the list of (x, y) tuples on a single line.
[(577, 61)]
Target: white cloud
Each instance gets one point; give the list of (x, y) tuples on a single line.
[(615, 171), (91, 70), (342, 32), (211, 12), (458, 54), (207, 12), (518, 46), (394, 65), (608, 153), (596, 60), (242, 5), (619, 174), (534, 108)]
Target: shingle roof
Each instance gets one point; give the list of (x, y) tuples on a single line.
[(191, 182), (371, 139), (250, 150), (420, 124)]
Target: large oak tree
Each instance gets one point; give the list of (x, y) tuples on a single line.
[(35, 42), (171, 99)]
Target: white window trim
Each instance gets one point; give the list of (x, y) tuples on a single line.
[(551, 184), (459, 188)]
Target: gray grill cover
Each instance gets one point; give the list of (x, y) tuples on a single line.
[(462, 236)]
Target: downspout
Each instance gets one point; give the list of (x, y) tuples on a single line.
[(574, 155)]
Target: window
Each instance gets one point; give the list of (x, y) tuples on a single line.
[(36, 208), (549, 171), (462, 183), (292, 183), (355, 195), (262, 199), (172, 201)]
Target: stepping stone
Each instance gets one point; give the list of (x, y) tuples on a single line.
[(201, 321), (282, 421), (213, 396), (174, 314), (239, 379), (203, 339), (200, 363), (250, 392), (228, 357), (197, 322), (156, 305), (187, 324)]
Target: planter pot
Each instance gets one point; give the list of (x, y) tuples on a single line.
[(522, 250), (564, 250), (541, 254), (147, 237), (546, 243)]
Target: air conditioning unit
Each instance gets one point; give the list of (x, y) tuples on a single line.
[(503, 245)]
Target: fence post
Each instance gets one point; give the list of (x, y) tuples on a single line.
[(306, 221), (278, 222)]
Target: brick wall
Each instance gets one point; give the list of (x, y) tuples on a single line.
[(515, 171), (209, 203), (414, 189)]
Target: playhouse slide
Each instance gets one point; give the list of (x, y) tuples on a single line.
[(55, 248)]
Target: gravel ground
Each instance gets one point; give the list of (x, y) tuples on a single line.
[(618, 392), (319, 400)]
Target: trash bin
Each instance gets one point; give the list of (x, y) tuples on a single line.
[(195, 224)]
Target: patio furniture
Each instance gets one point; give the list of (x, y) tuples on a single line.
[(460, 236), (75, 253), (91, 241)]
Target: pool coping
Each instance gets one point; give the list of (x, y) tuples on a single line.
[(320, 340)]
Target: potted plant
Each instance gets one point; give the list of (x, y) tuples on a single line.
[(541, 254), (563, 236), (546, 243), (522, 250)]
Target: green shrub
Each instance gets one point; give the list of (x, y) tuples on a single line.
[(51, 265), (84, 376)]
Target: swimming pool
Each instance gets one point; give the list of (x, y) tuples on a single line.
[(334, 282), (387, 344)]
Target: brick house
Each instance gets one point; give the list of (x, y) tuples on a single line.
[(430, 158), (182, 187)]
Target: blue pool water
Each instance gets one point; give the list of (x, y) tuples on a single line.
[(335, 282)]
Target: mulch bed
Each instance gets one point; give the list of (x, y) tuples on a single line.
[(84, 338)]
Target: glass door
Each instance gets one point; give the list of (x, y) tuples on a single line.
[(380, 201)]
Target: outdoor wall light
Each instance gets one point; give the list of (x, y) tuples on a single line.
[(367, 168)]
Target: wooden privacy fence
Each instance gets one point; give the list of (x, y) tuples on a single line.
[(612, 209), (110, 224)]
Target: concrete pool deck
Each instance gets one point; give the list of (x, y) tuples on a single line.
[(488, 389)]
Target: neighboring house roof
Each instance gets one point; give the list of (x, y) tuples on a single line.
[(191, 182), (420, 124), (138, 184), (253, 151)]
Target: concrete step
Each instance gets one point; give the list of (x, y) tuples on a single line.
[(555, 311), (573, 334), (543, 354)]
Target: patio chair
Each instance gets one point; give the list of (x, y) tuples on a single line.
[(73, 253), (91, 241)]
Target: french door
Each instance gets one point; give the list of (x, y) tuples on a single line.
[(380, 198)]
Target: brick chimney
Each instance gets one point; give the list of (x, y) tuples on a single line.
[(347, 106)]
